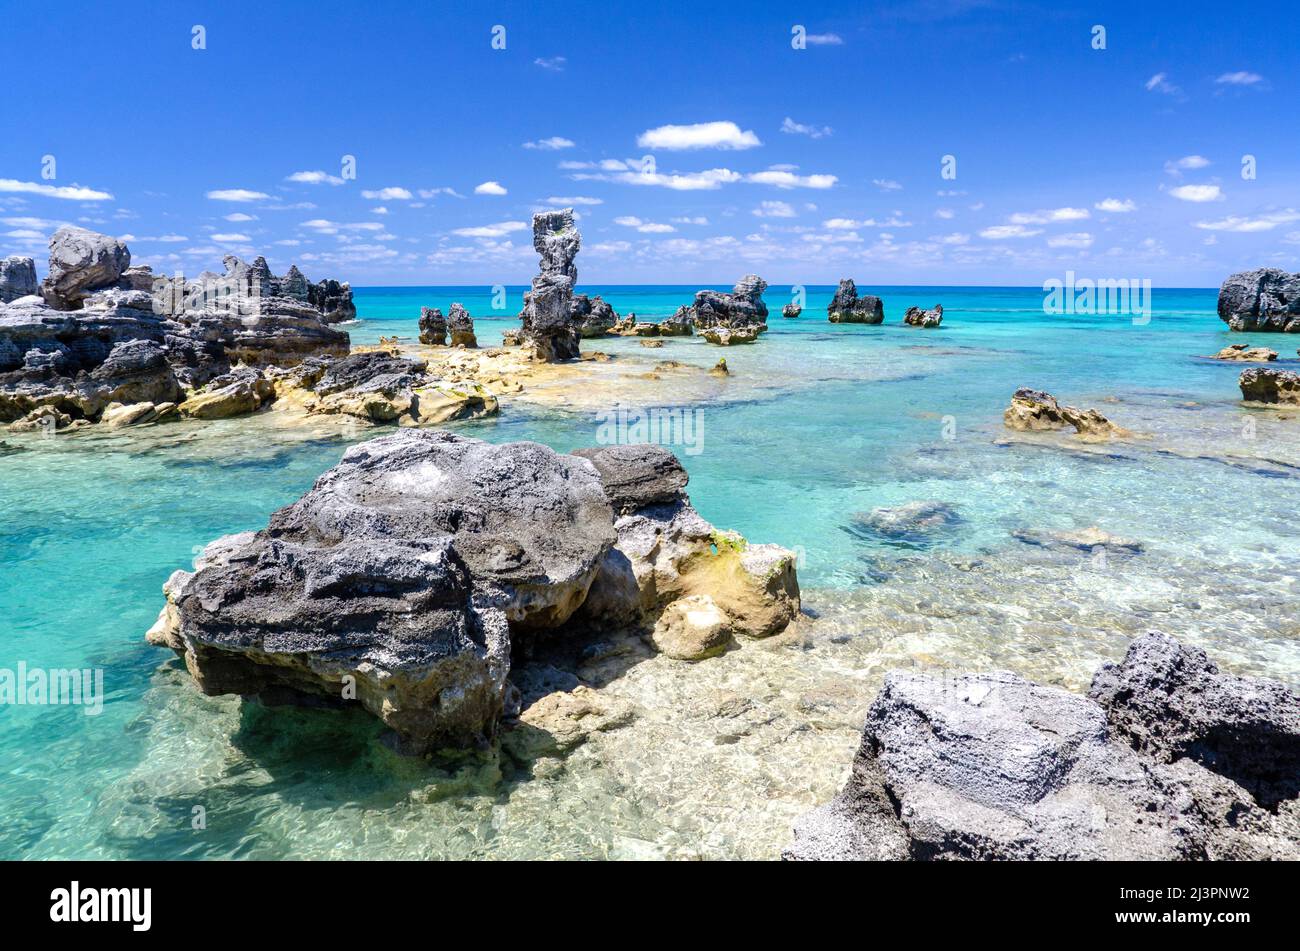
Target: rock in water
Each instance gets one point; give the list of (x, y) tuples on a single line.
[(17, 278), (846, 307), (916, 317), (791, 311), (1036, 410), (1168, 765), (433, 327), (409, 567), (461, 326), (737, 317), (547, 323), (1266, 385), (591, 316), (1264, 299), (1239, 351), (913, 522), (82, 261)]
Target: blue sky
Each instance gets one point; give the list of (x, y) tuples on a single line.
[(804, 165)]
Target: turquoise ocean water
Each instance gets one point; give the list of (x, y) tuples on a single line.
[(817, 423)]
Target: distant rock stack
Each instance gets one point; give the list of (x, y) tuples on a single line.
[(1265, 299), (17, 278), (846, 307), (918, 317), (548, 329), (433, 327), (461, 326)]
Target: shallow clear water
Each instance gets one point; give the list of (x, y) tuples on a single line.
[(816, 424)]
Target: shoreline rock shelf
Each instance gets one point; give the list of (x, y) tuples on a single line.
[(1166, 758), (416, 567)]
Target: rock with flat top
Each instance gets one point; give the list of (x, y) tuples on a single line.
[(1267, 385)]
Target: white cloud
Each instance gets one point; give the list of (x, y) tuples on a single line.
[(846, 224), (1177, 166), (1116, 206), (72, 192), (237, 194), (691, 181), (554, 63), (1197, 193), (381, 210), (230, 238), (391, 193), (1001, 232), (1240, 78), (1266, 222), (435, 192), (314, 178), (564, 201), (239, 216), (645, 227), (324, 226), (701, 135), (27, 234), (824, 39), (553, 144), (1078, 239), (697, 220), (944, 213), (774, 209), (1049, 215), (492, 231), (783, 179), (886, 184), (791, 127), (955, 238), (490, 188), (1160, 83)]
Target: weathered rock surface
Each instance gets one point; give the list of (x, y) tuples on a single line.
[(461, 327), (1239, 351), (791, 311), (1083, 539), (383, 388), (1035, 410), (742, 312), (1265, 299), (1171, 760), (433, 327), (692, 628), (17, 278), (727, 336), (548, 328), (1267, 385), (918, 317), (591, 316), (82, 261), (846, 307), (917, 521)]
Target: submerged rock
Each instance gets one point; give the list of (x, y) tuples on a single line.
[(1266, 385), (1265, 299), (846, 307), (917, 317), (407, 575), (1035, 410), (1169, 760), (1239, 351), (912, 521), (1083, 539)]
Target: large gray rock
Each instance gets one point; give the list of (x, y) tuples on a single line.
[(1267, 385), (846, 307), (1172, 702), (433, 327), (1263, 299), (591, 316), (991, 766), (548, 328), (17, 278), (742, 308), (410, 568), (919, 317), (461, 327), (82, 261)]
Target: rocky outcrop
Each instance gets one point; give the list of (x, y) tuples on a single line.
[(680, 324), (741, 309), (547, 323), (1239, 351), (911, 522), (1267, 385), (433, 327), (846, 307), (1265, 299), (917, 317), (591, 316), (727, 336), (409, 574), (1168, 758), (461, 327), (333, 300), (1034, 410), (382, 388), (82, 261), (17, 278), (51, 347), (791, 311)]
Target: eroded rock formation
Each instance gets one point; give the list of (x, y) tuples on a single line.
[(1267, 385), (547, 323), (918, 317), (409, 573), (1035, 410), (846, 307), (1264, 299), (1167, 758)]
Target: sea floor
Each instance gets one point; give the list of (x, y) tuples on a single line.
[(815, 425)]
